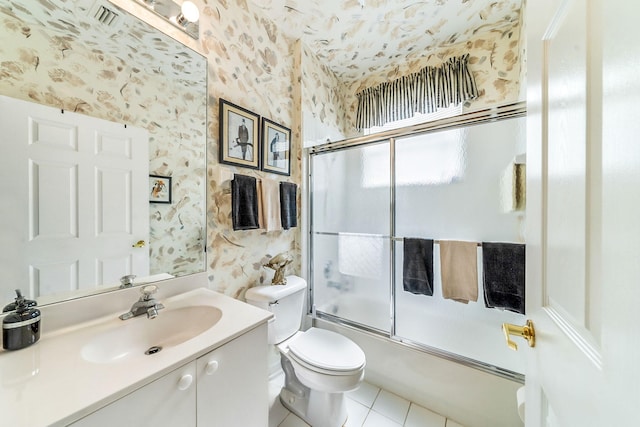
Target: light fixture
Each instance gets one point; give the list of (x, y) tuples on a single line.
[(189, 13), (184, 17)]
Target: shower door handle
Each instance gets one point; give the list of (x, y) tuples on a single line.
[(527, 332)]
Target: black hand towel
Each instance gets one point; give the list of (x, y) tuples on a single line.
[(288, 212), (244, 202), (504, 270), (417, 266)]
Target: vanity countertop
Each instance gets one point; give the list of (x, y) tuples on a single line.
[(51, 384)]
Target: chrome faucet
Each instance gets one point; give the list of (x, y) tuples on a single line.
[(146, 304)]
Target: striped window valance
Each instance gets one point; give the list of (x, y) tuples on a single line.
[(422, 92)]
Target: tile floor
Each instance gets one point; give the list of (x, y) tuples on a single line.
[(369, 406)]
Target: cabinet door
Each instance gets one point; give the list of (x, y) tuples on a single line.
[(233, 383), (169, 401)]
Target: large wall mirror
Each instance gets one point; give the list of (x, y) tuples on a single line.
[(89, 58)]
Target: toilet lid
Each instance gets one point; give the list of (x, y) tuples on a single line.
[(327, 350)]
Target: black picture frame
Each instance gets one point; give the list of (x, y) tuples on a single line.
[(239, 147), (276, 147), (159, 189)]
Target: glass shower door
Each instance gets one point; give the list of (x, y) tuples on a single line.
[(350, 235), (449, 187)]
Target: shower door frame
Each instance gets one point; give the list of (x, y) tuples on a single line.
[(503, 112)]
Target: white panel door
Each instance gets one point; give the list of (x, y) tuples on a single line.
[(78, 188), (582, 213)]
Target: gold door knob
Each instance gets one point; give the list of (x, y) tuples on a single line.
[(527, 332), (139, 244)]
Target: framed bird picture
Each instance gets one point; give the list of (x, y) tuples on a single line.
[(159, 189), (276, 148), (239, 136)]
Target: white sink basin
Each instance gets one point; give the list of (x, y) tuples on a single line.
[(123, 339)]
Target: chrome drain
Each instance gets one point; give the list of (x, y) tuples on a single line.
[(153, 350)]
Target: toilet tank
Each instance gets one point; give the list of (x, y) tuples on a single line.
[(286, 302)]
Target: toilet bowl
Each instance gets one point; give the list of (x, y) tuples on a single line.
[(324, 360), (319, 365)]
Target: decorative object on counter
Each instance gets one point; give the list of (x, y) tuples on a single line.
[(288, 210), (23, 301), (279, 263), (239, 136), (159, 189), (459, 270), (417, 266), (276, 148), (184, 17), (21, 327), (504, 276), (244, 202)]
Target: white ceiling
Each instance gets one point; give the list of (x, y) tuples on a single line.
[(354, 37)]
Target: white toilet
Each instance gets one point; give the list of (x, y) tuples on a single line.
[(319, 365)]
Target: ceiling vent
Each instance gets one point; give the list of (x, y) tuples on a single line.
[(107, 15)]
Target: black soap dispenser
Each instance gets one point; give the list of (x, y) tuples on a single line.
[(21, 327)]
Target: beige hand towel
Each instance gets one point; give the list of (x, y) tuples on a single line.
[(260, 212), (459, 270), (270, 205)]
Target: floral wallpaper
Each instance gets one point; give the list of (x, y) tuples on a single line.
[(358, 38), (323, 102), (251, 65)]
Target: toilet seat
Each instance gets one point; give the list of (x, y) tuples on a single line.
[(327, 352)]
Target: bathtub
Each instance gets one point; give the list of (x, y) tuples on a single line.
[(470, 396)]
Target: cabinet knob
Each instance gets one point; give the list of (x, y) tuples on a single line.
[(211, 367), (185, 382)]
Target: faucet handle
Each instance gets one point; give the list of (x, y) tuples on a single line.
[(148, 290)]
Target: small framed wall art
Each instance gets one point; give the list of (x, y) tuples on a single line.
[(239, 136), (159, 189), (276, 148)]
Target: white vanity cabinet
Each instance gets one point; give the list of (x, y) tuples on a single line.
[(226, 387), (233, 383), (168, 401)]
